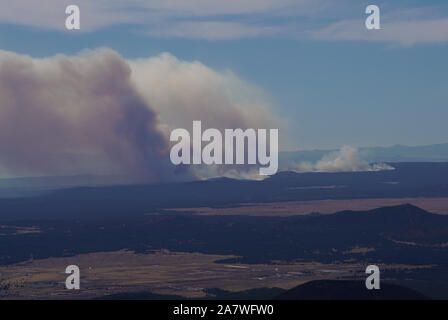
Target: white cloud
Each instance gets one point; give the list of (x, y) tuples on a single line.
[(149, 13), (406, 33), (325, 20), (219, 7)]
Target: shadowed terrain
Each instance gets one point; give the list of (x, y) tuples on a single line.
[(348, 290)]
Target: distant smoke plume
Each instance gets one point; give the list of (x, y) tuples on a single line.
[(345, 160), (98, 113)]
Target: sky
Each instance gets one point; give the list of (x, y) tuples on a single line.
[(330, 81)]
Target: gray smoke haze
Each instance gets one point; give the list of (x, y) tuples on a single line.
[(66, 115), (98, 113)]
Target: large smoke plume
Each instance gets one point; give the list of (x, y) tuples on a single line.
[(66, 115), (98, 113)]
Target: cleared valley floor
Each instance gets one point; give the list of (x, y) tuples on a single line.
[(185, 274)]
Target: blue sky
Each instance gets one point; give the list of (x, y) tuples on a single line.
[(334, 82)]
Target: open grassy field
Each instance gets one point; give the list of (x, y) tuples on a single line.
[(186, 274)]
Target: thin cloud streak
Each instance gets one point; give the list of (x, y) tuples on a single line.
[(217, 20), (405, 33)]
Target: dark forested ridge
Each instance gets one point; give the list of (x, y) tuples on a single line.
[(401, 234), (348, 290), (407, 180)]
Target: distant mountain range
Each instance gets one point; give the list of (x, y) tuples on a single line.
[(32, 186)]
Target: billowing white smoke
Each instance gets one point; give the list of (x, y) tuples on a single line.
[(98, 113), (345, 160), (182, 92)]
